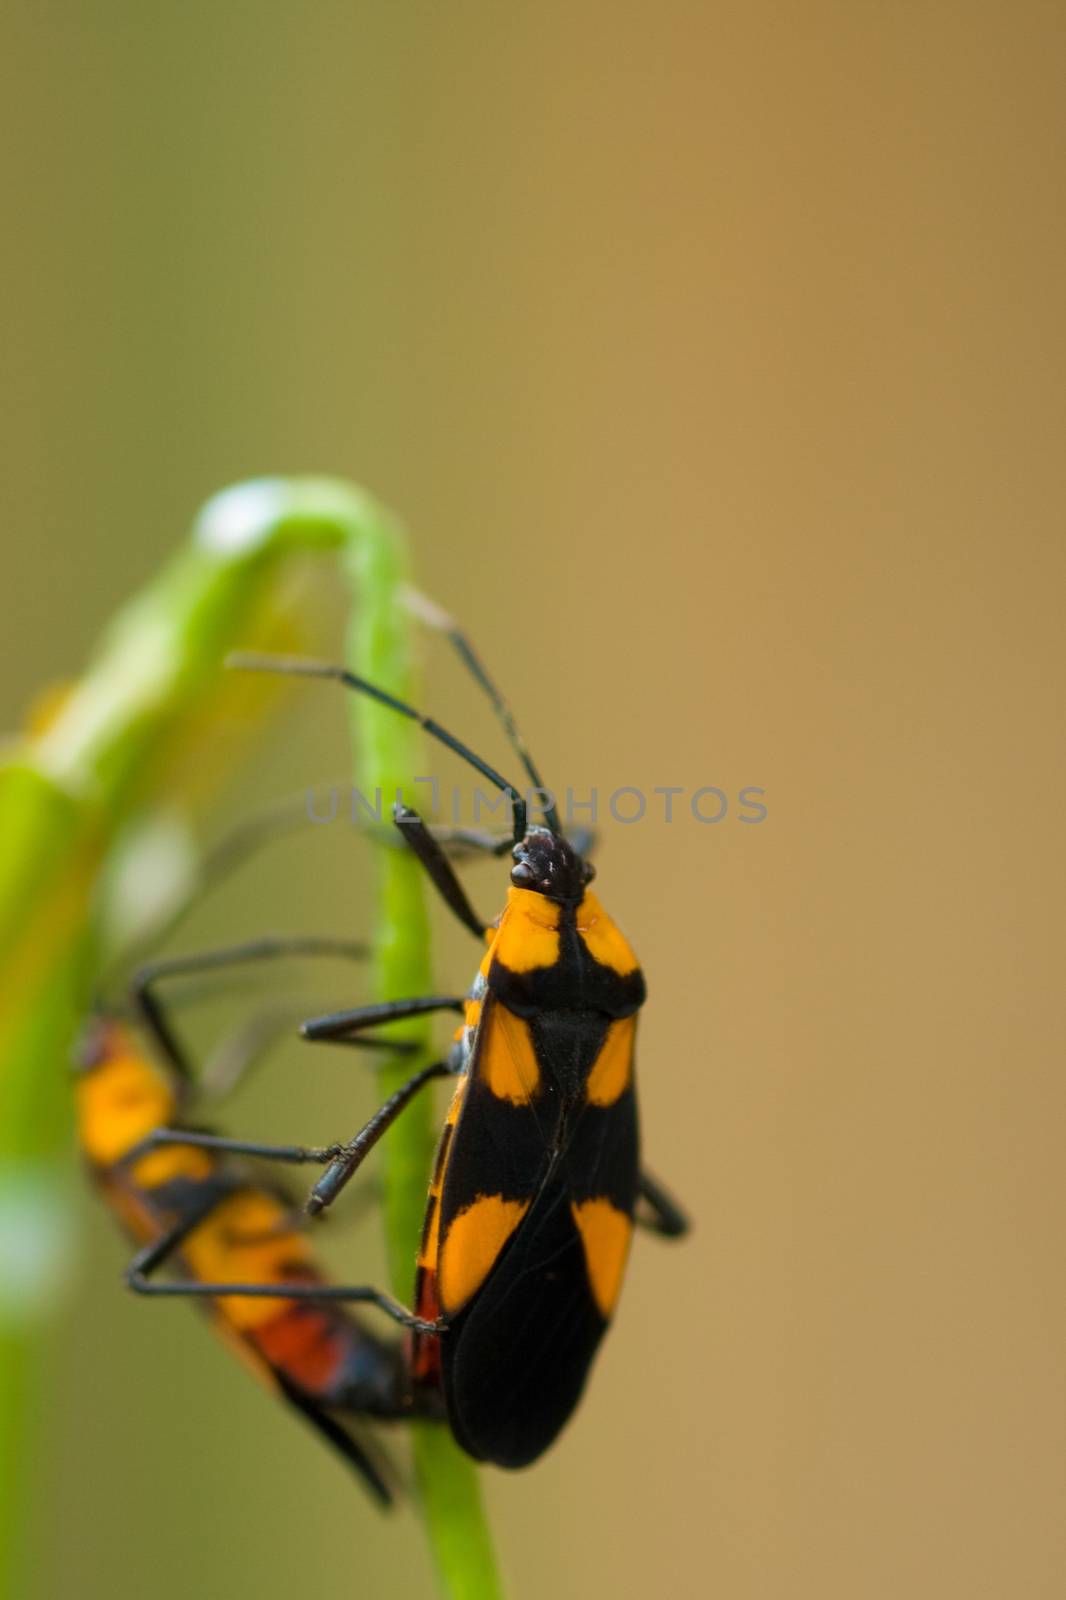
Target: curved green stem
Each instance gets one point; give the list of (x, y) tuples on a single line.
[(374, 557), (127, 738), (112, 750), (381, 650)]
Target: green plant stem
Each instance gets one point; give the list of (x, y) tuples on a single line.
[(113, 753), (389, 759)]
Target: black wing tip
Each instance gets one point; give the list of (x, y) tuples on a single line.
[(343, 1441)]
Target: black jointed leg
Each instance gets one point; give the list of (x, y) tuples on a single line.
[(149, 1008), (294, 1154), (440, 870), (348, 1160), (664, 1215), (240, 1050), (146, 1261), (337, 1026), (239, 844), (458, 842), (153, 1256)]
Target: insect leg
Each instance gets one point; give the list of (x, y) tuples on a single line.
[(348, 1160), (439, 868), (155, 1017), (240, 1050), (153, 1256), (664, 1216), (459, 842), (146, 1261), (337, 1025), (294, 1154)]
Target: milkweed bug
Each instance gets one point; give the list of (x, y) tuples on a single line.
[(193, 1206), (537, 1182), (241, 1249)]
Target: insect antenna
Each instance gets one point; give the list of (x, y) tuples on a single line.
[(307, 667), (427, 611)]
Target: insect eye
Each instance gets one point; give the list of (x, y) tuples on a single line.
[(588, 872), (522, 875)]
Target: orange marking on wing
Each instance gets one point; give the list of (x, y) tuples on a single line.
[(471, 1246), (604, 940), (528, 937), (613, 1068), (506, 1060), (605, 1233)]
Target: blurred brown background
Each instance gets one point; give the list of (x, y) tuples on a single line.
[(715, 357)]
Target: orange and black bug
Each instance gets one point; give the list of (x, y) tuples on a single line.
[(537, 1183), (238, 1245), (194, 1208)]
